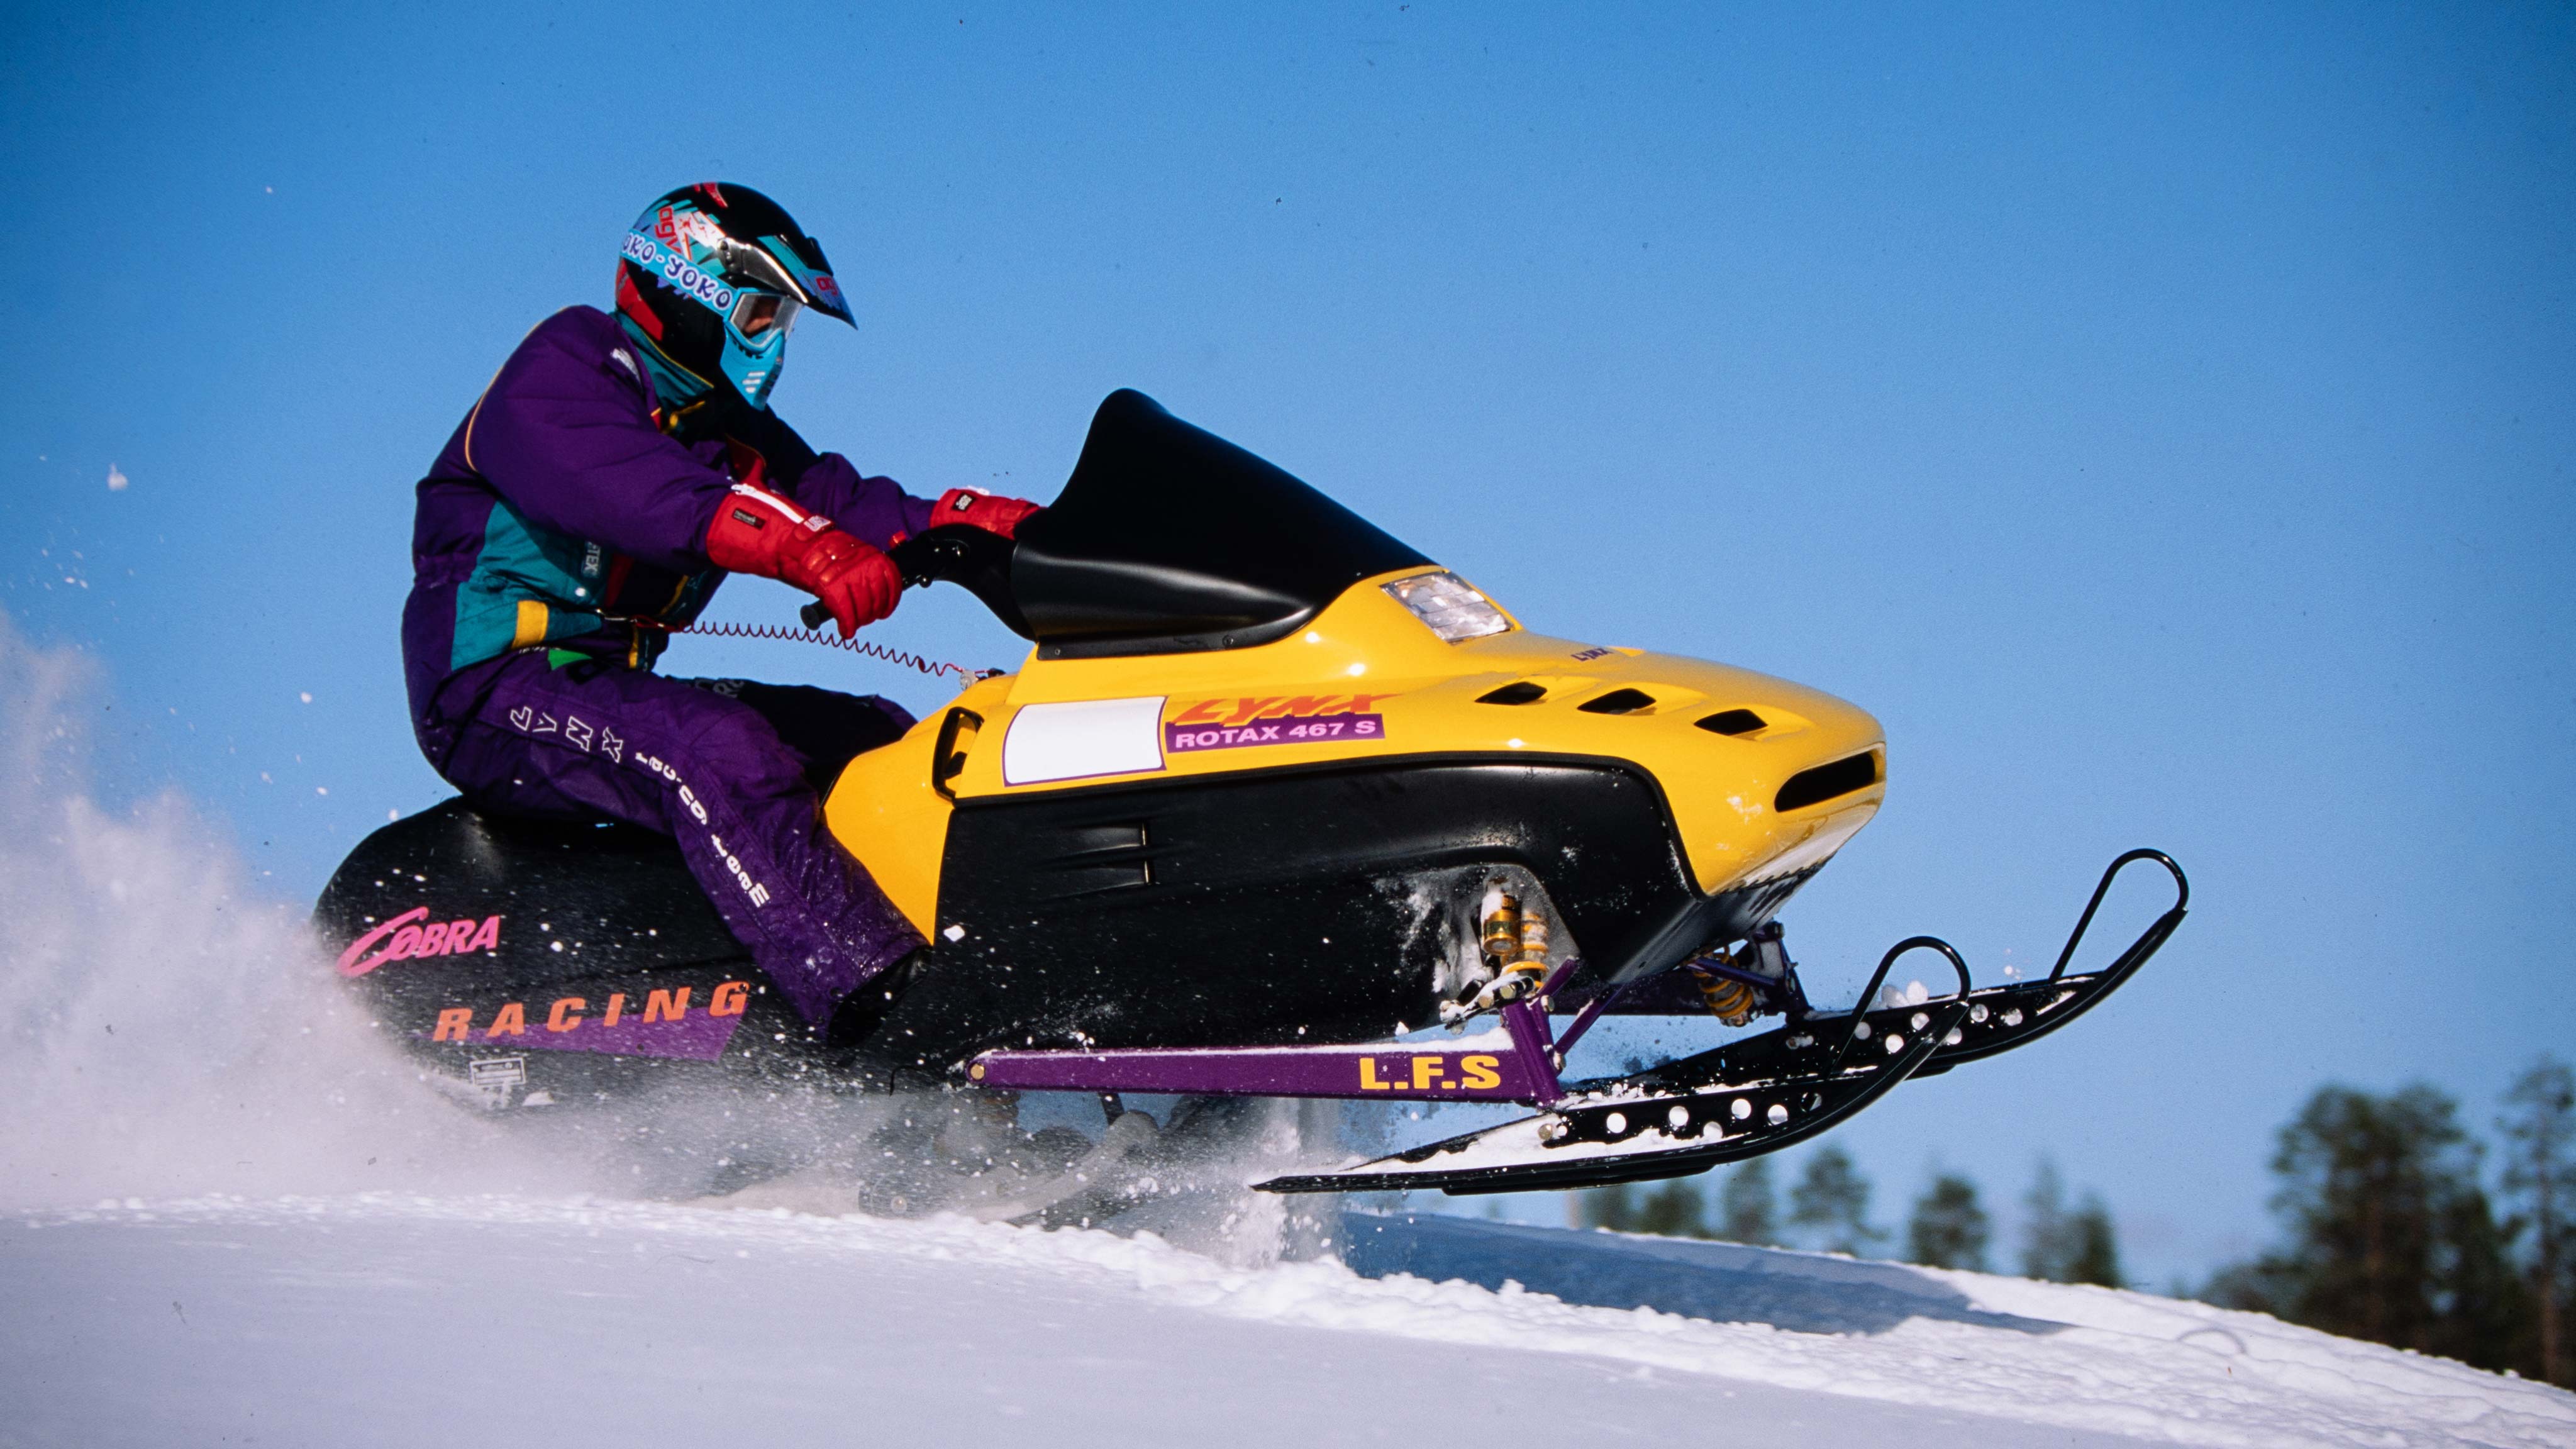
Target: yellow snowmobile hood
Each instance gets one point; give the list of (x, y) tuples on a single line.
[(1762, 777)]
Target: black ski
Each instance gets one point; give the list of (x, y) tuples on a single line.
[(1765, 1092)]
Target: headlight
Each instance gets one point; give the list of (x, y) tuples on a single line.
[(1449, 606)]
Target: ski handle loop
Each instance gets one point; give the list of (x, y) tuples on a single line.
[(2155, 935), (1869, 993)]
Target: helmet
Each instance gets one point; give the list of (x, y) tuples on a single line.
[(711, 279)]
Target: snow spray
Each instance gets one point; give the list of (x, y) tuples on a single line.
[(164, 1029)]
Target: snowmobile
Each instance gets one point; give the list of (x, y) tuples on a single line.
[(1275, 807)]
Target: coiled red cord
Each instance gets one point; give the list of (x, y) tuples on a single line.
[(862, 647)]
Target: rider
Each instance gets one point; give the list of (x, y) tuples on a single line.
[(593, 498)]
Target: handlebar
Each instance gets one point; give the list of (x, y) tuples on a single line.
[(956, 553)]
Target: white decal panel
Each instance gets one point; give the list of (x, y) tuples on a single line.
[(1083, 739)]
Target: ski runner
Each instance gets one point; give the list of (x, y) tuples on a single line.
[(594, 497)]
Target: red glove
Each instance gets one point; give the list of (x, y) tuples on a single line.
[(758, 532), (988, 511)]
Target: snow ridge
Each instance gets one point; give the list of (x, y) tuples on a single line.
[(2083, 1359)]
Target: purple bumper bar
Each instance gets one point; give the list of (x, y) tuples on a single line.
[(1516, 1062)]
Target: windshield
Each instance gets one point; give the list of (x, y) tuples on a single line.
[(1168, 539)]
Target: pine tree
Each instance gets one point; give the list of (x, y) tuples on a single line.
[(1831, 1204), (2093, 1245), (1613, 1207), (2481, 1306), (2390, 1237), (2063, 1246), (1949, 1228), (2540, 1174), (2047, 1246), (1673, 1209), (1748, 1210)]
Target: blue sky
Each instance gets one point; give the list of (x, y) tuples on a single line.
[(2163, 422)]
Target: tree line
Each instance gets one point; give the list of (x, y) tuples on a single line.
[(1827, 1209), (2387, 1230), (2389, 1234)]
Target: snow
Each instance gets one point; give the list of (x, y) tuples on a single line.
[(398, 1319)]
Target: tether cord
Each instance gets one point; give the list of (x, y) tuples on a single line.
[(862, 647)]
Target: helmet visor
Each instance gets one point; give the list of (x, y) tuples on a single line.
[(758, 314)]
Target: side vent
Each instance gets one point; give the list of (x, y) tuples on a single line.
[(1733, 722), (1618, 701), (1523, 692), (1099, 858), (1814, 787)]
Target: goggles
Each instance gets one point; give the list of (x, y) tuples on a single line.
[(757, 315)]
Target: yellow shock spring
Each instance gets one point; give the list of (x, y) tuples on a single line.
[(1729, 1000), (1533, 943), (1516, 943), (1502, 931)]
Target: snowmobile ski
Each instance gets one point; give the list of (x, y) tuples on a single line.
[(1768, 1091)]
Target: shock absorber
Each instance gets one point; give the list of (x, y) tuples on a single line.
[(1750, 978), (1502, 927), (1515, 945), (1722, 974), (1530, 969), (1729, 1000)]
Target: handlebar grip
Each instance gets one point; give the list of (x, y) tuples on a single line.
[(816, 614)]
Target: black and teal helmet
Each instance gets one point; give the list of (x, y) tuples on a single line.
[(712, 278)]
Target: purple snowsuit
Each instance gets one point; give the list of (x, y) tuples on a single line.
[(560, 510)]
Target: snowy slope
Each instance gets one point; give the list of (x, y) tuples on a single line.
[(400, 1320)]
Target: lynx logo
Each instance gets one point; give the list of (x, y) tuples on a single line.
[(413, 936), (1274, 719), (1244, 710)]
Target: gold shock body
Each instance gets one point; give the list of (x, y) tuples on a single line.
[(1424, 691)]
